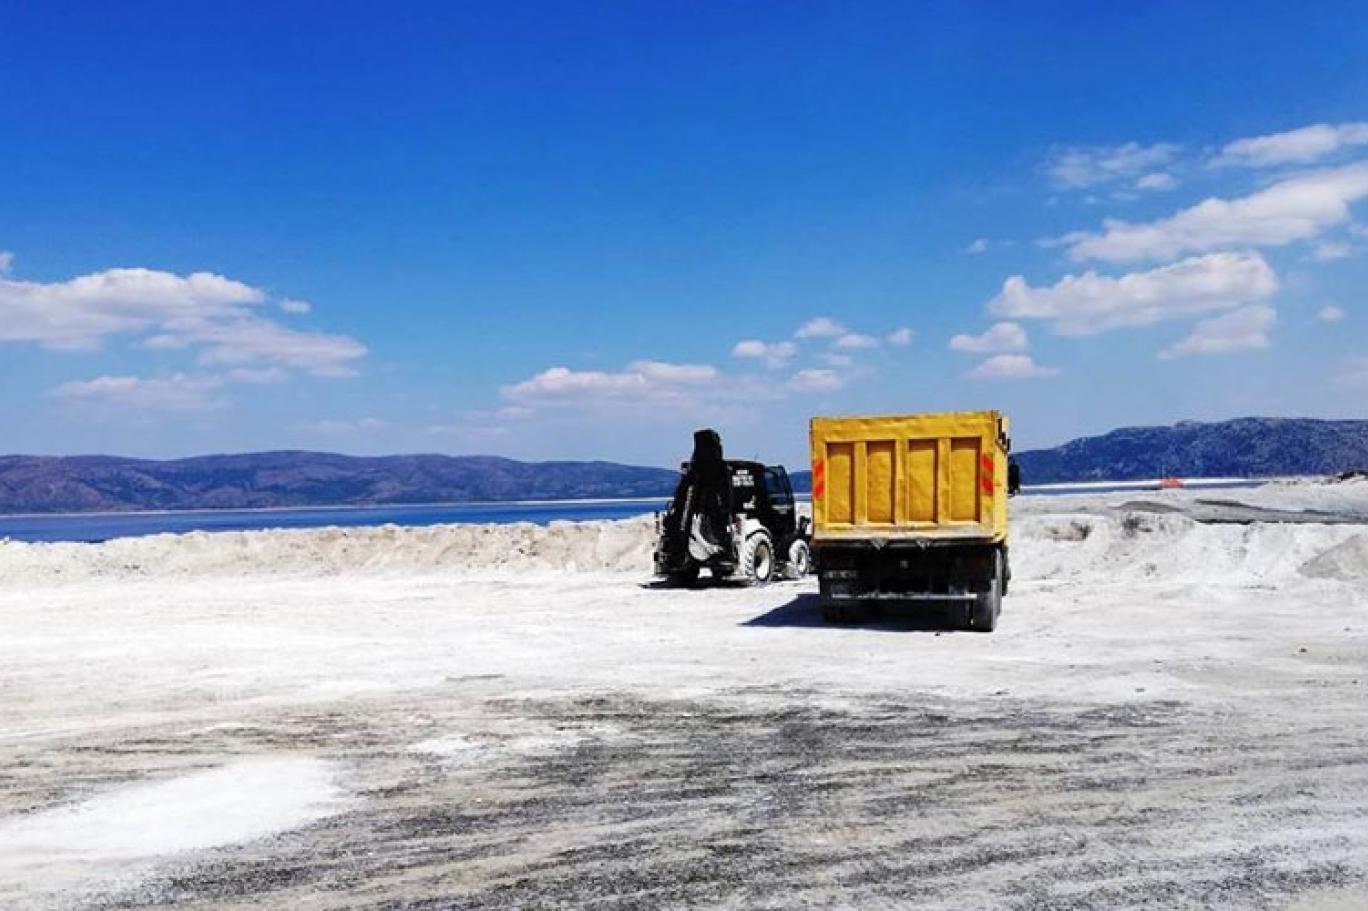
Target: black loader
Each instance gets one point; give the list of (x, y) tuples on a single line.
[(735, 519)]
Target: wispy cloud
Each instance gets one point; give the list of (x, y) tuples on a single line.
[(820, 327), (900, 337), (175, 393), (774, 354), (641, 382), (1239, 330), (1081, 167), (1004, 336), (817, 380), (855, 341), (1156, 180), (1011, 367), (1297, 208), (212, 313), (344, 426), (1091, 303), (1300, 146), (1330, 251)]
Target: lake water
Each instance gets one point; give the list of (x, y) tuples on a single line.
[(103, 526)]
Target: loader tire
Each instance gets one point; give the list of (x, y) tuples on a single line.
[(757, 558), (799, 560)]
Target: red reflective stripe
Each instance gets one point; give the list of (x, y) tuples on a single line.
[(987, 484), (819, 479)]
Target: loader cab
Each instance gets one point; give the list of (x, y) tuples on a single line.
[(765, 492)]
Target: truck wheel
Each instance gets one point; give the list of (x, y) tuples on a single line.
[(799, 559), (833, 613), (757, 558), (983, 616)]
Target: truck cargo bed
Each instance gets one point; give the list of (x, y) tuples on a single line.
[(941, 476)]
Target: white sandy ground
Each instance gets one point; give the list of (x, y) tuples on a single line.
[(1171, 714), (114, 835)]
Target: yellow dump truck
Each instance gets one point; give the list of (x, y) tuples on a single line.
[(912, 509)]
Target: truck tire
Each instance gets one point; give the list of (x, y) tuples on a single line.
[(983, 615), (833, 613), (757, 558), (799, 560)]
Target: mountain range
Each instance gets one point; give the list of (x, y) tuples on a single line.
[(1240, 448), (1247, 447)]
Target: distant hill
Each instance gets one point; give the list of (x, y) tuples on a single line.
[(1245, 447), (1248, 447), (275, 479)]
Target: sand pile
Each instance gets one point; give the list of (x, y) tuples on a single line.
[(1172, 548), (1347, 561), (615, 546), (1095, 548)]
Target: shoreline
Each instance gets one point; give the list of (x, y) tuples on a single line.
[(251, 510), (1081, 486)]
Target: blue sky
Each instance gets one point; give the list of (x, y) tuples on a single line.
[(583, 230)]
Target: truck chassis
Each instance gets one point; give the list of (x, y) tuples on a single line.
[(967, 579)]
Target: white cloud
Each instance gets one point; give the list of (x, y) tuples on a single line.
[(1330, 314), (820, 327), (294, 305), (667, 373), (1077, 167), (176, 393), (1239, 330), (1090, 303), (1011, 367), (817, 380), (250, 339), (83, 312), (166, 312), (256, 375), (854, 341), (6, 262), (1298, 208), (482, 424), (1005, 336), (641, 380), (643, 391), (774, 354), (344, 427), (1331, 250), (980, 245), (1156, 180), (1299, 146), (900, 337), (836, 360)]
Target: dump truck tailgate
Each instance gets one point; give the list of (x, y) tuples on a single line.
[(934, 477)]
